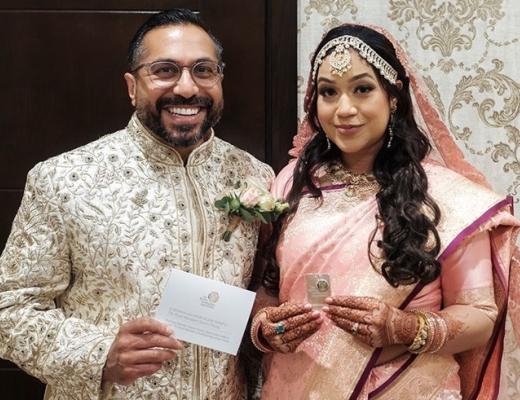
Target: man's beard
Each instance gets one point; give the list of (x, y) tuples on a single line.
[(152, 119)]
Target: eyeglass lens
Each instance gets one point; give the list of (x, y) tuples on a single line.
[(205, 73)]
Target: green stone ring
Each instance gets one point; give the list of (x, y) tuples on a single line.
[(280, 328)]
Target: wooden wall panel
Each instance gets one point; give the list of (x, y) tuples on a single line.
[(62, 63), (9, 201), (18, 386), (65, 85), (281, 87)]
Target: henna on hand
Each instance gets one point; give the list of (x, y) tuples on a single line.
[(299, 321), (454, 326), (371, 320), (401, 326)]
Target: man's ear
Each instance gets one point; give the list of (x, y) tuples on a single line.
[(131, 86)]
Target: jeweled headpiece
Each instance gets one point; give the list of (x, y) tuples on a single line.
[(340, 60)]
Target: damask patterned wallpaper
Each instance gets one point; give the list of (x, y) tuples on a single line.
[(468, 52)]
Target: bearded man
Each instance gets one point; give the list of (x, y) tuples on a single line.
[(100, 227)]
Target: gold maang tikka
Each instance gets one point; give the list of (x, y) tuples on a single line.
[(340, 60)]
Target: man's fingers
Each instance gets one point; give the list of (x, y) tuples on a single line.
[(148, 356), (149, 340), (145, 324), (130, 374)]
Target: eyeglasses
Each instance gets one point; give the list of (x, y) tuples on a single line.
[(167, 73)]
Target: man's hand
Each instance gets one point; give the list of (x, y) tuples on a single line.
[(140, 348)]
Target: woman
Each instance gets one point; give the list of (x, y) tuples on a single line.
[(415, 256)]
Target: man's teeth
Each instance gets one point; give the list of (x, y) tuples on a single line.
[(183, 110)]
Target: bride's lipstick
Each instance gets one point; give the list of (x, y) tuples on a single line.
[(348, 129)]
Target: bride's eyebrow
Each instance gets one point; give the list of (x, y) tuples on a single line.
[(354, 78)]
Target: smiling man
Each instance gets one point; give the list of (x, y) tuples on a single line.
[(100, 227), (176, 87)]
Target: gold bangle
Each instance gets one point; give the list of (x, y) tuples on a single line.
[(440, 333), (422, 333), (256, 326)]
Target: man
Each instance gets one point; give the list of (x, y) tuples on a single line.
[(100, 227)]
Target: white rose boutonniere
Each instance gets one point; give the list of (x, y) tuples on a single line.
[(253, 203)]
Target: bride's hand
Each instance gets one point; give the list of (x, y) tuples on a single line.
[(286, 326), (371, 320)]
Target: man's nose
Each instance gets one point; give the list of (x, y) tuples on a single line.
[(186, 86)]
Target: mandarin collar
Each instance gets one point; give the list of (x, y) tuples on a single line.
[(155, 148)]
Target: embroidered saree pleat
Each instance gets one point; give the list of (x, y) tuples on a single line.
[(421, 379), (330, 379)]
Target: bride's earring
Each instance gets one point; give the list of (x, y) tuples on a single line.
[(390, 132), (391, 124)]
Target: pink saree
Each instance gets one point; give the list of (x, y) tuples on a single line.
[(333, 238)]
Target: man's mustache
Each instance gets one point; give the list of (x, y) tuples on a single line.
[(182, 101)]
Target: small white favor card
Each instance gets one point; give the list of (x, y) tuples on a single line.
[(204, 311)]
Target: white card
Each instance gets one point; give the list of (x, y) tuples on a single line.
[(205, 312)]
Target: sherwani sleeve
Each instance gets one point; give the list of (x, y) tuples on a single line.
[(35, 269)]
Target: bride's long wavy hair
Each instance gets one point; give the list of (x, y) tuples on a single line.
[(409, 242)]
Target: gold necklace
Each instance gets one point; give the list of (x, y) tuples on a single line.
[(358, 186)]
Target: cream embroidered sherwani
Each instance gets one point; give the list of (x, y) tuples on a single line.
[(96, 234)]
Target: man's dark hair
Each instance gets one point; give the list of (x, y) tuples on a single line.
[(177, 16)]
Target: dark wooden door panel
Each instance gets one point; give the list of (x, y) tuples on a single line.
[(18, 386), (65, 86), (9, 203), (102, 5)]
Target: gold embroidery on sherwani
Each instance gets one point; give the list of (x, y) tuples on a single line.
[(98, 230)]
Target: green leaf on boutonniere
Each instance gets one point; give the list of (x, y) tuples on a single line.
[(262, 217), (223, 204), (248, 217), (234, 204)]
